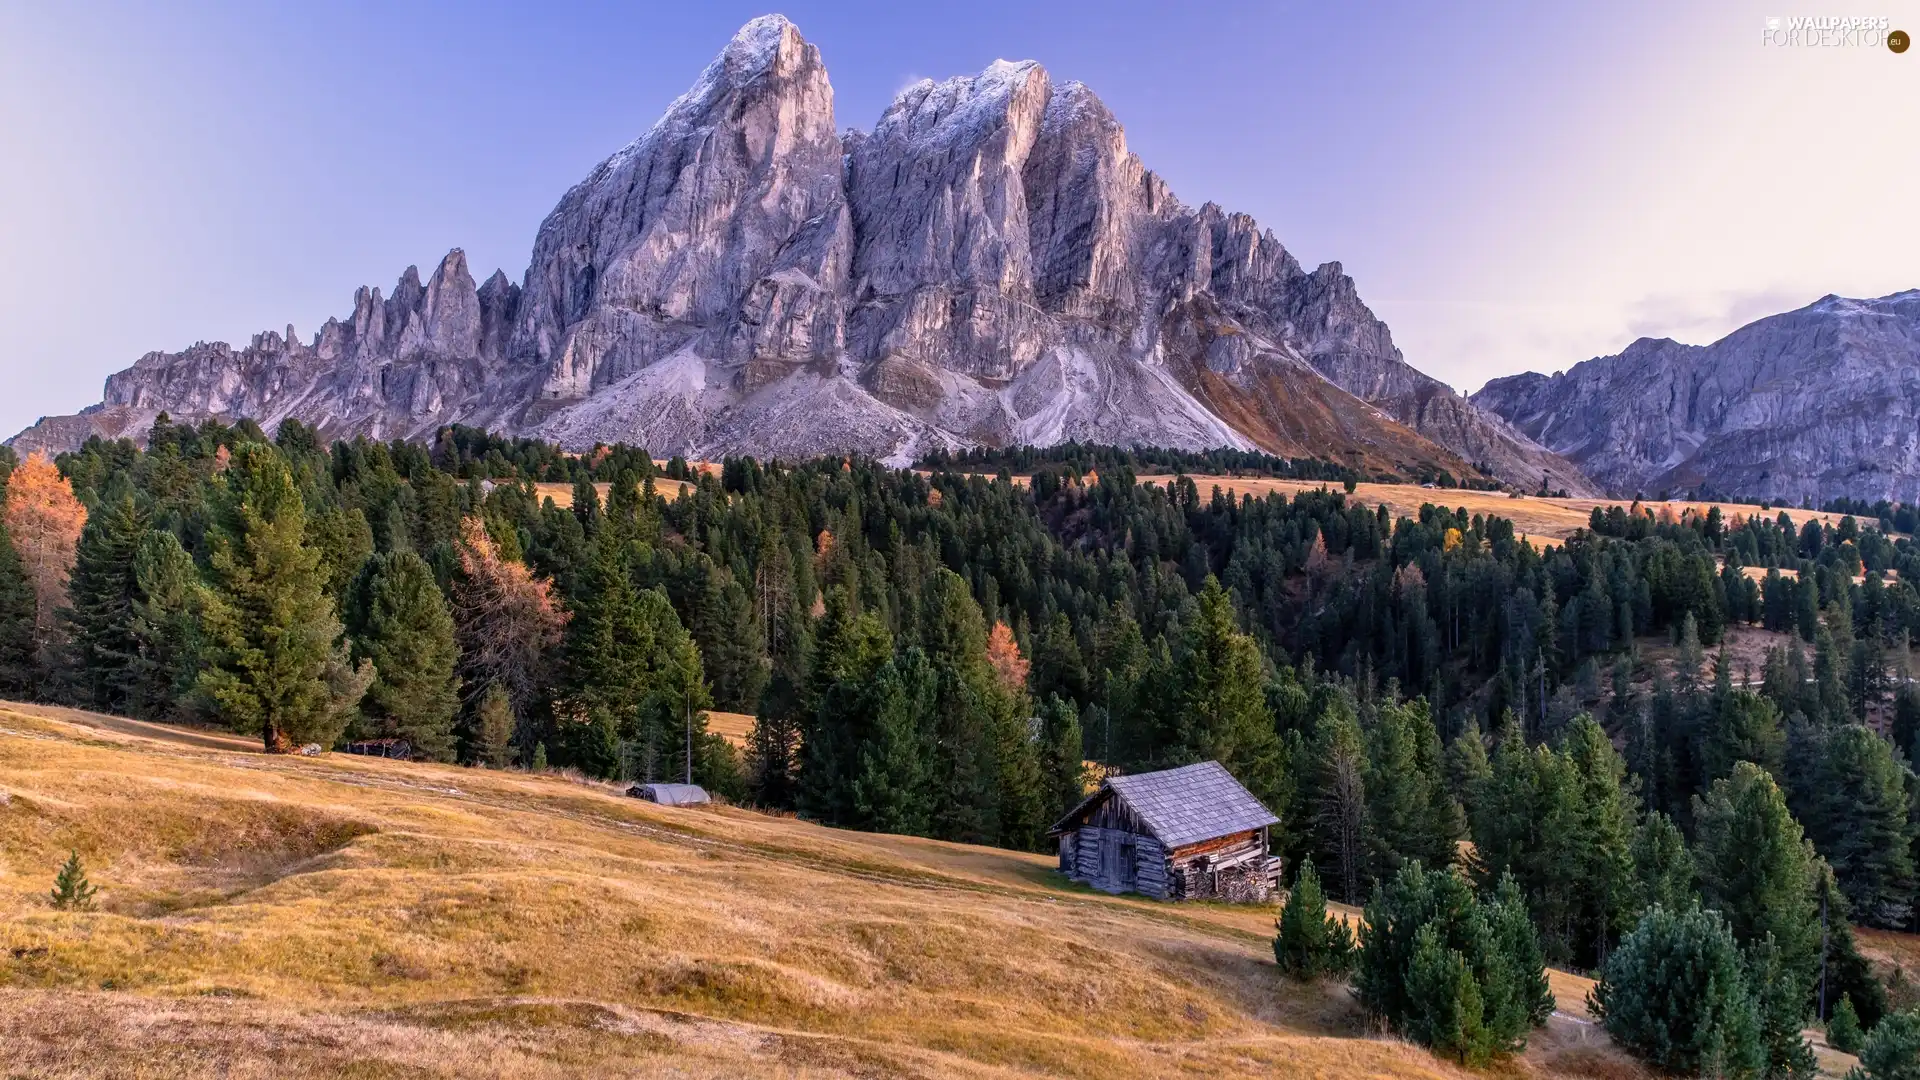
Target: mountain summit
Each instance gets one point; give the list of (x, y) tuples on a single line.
[(1802, 406), (988, 265)]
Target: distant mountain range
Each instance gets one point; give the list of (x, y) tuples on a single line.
[(1809, 405), (988, 266)]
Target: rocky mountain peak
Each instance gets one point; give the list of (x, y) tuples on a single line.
[(988, 264), (1802, 406)]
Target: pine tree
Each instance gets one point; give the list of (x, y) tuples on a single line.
[(276, 663), (1756, 867), (398, 621), (539, 764), (1892, 1049), (1675, 995), (1410, 925), (1448, 1013), (1843, 1031), (493, 729), (71, 889), (1310, 943)]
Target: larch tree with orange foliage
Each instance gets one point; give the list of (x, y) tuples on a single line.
[(44, 521), (507, 621), (1003, 652)]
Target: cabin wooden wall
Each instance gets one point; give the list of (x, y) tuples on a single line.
[(1090, 854)]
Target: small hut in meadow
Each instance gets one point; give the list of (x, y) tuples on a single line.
[(671, 794), (1191, 833)]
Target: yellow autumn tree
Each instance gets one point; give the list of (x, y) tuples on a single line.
[(44, 520)]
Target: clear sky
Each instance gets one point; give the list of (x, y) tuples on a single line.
[(1518, 187)]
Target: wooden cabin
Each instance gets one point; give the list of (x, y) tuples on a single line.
[(1191, 833)]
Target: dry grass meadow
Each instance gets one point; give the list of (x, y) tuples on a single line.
[(338, 916)]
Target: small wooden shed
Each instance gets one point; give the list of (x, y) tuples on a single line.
[(1190, 833), (671, 794)]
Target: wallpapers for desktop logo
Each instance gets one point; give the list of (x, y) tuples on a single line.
[(1833, 31)]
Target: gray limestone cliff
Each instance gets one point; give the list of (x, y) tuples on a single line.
[(988, 265), (1808, 405)]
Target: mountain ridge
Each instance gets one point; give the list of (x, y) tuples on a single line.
[(988, 265), (1805, 405)]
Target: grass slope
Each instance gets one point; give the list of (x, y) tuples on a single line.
[(340, 916)]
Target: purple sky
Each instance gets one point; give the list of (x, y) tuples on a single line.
[(1520, 187)]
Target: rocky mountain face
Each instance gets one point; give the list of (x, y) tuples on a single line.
[(988, 265), (1808, 405)]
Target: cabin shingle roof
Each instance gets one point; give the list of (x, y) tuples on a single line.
[(1185, 805)]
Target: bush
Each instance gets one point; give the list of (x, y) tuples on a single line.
[(1674, 994), (1311, 943), (1892, 1051), (1444, 967), (1843, 1030)]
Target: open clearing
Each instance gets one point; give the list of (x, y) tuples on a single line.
[(1544, 519), (1550, 520), (294, 917)]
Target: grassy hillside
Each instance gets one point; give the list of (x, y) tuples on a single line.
[(338, 916)]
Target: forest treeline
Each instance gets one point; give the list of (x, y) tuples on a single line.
[(944, 653)]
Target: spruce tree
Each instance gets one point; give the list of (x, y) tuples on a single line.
[(1411, 814), (165, 627), (1447, 1014), (1061, 750), (1780, 1001), (1843, 1031), (493, 729), (1340, 798), (399, 622), (891, 792), (1857, 815), (276, 661), (1843, 971), (1605, 880), (1662, 866), (1223, 707), (101, 595), (1468, 767), (609, 653), (16, 622), (1757, 869), (968, 705)]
